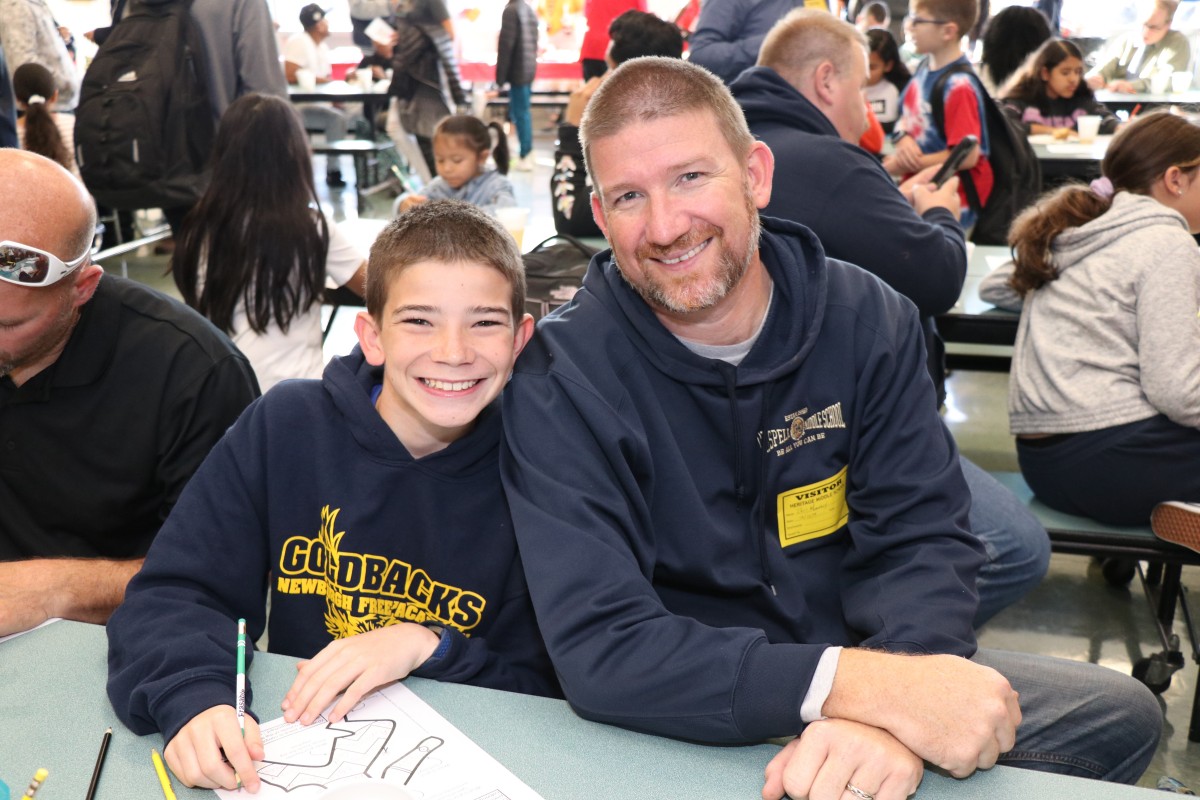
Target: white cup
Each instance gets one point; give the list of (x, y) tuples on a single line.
[(306, 79), (365, 78), (513, 219), (1088, 127), (1181, 81), (1159, 81), (367, 790)]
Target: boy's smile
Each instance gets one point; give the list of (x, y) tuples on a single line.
[(447, 343)]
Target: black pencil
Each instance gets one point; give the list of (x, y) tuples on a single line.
[(99, 764)]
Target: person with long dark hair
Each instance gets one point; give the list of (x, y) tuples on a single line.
[(1048, 94), (42, 130), (1104, 394), (256, 249)]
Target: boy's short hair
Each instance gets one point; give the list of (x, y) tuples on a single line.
[(638, 33), (806, 38), (450, 231), (878, 12), (962, 13), (650, 88)]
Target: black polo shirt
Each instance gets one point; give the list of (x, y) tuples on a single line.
[(95, 449)]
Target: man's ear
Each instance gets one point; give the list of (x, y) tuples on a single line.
[(86, 283), (598, 215), (760, 172), (823, 78), (367, 331)]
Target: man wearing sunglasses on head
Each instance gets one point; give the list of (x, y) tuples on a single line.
[(111, 395)]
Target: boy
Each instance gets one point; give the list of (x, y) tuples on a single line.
[(936, 28), (368, 502)]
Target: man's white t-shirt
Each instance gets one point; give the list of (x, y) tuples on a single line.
[(305, 53)]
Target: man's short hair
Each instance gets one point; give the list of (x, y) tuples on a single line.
[(962, 13), (449, 231), (638, 33), (806, 38), (646, 89)]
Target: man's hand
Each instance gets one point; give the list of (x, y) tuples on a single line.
[(905, 158), (83, 589), (1124, 87), (357, 665), (925, 197), (194, 755), (834, 752), (953, 713)]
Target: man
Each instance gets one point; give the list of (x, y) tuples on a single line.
[(804, 101), (110, 397), (1131, 61), (307, 51), (738, 508)]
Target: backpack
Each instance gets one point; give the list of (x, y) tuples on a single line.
[(144, 127), (1016, 173), (554, 272), (570, 188)]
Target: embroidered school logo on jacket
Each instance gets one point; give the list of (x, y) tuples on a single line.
[(801, 429), (364, 591)]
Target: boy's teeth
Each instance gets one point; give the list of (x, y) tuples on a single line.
[(449, 386), (686, 255)]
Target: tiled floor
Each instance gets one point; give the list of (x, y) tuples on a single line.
[(1073, 614)]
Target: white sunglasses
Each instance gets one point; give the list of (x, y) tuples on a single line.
[(32, 266)]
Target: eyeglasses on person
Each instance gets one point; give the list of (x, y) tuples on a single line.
[(25, 265)]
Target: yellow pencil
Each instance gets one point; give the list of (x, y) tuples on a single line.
[(38, 777), (163, 778)]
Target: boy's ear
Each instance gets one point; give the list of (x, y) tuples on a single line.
[(367, 331), (523, 334)]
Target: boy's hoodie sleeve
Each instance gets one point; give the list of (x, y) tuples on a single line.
[(172, 643), (512, 657)]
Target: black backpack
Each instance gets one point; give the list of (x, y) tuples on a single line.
[(570, 189), (144, 127), (1017, 176), (554, 271)]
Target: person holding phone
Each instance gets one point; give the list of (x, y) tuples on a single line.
[(807, 107)]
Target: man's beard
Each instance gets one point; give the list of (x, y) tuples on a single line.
[(690, 295)]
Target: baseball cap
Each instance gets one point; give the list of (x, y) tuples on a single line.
[(311, 14)]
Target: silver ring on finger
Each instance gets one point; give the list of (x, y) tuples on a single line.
[(859, 793)]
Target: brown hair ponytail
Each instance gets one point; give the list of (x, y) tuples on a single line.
[(33, 85), (1137, 157)]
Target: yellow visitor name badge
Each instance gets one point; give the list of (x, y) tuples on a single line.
[(813, 511)]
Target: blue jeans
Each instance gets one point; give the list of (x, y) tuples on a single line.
[(1018, 548), (1078, 718), (519, 96)]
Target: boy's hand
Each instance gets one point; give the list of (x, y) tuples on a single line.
[(1124, 87), (832, 753), (356, 665), (194, 755), (412, 200), (906, 158)]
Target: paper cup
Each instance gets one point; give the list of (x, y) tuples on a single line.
[(1160, 81), (367, 790), (1181, 81), (365, 77), (306, 80), (1088, 128), (513, 219)]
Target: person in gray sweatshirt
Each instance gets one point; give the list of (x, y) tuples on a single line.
[(1104, 394)]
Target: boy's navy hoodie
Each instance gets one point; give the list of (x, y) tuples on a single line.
[(845, 196), (696, 534), (311, 496)]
